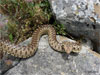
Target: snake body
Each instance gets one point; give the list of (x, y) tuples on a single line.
[(27, 51)]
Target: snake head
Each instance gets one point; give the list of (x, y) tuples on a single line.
[(71, 47)]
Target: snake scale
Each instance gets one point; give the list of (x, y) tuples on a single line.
[(27, 51)]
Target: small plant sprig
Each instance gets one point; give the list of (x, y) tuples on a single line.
[(59, 28), (26, 15)]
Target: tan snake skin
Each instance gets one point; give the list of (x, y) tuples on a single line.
[(27, 51)]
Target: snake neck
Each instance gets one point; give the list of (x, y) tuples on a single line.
[(24, 52)]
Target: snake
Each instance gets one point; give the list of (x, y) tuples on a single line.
[(30, 49)]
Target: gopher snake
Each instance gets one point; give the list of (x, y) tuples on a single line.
[(27, 51)]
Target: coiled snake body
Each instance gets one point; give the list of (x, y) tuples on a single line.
[(24, 52)]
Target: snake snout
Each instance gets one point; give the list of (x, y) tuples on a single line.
[(67, 49)]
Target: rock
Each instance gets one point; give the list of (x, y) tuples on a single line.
[(46, 61), (7, 62), (81, 18), (3, 26)]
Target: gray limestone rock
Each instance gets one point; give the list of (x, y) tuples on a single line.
[(46, 61), (81, 18)]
